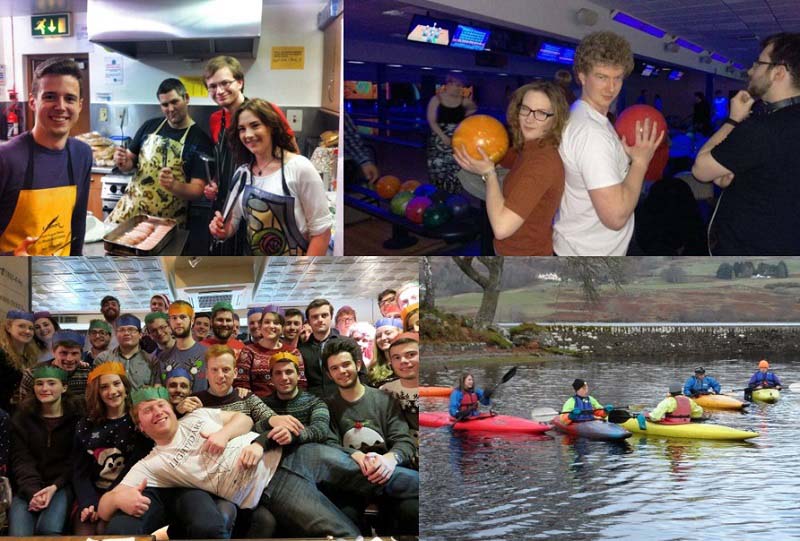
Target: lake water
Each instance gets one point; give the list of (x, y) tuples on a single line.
[(553, 487)]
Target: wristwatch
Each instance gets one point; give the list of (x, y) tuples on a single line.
[(731, 121)]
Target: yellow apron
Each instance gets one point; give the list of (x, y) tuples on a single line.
[(46, 213), (145, 195)]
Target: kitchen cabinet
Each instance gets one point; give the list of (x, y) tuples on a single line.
[(331, 66), (95, 201)]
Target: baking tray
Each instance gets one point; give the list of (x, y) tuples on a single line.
[(112, 246)]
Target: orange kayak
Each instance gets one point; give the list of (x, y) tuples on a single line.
[(441, 392)]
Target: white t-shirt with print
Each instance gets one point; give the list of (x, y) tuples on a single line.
[(593, 158), (181, 463), (311, 211)]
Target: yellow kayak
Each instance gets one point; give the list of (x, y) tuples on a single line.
[(770, 396), (719, 402), (699, 431)]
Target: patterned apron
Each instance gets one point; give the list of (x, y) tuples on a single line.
[(145, 195)]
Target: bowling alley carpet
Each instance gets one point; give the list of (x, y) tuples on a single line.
[(366, 238)]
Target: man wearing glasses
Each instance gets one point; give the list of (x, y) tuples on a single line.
[(756, 159), (99, 340), (604, 175), (138, 363), (387, 303), (224, 79)]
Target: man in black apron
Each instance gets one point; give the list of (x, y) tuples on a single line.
[(45, 174), (165, 152)]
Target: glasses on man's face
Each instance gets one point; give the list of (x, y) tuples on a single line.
[(97, 333), (127, 330), (222, 85), (538, 114), (387, 300), (757, 62)]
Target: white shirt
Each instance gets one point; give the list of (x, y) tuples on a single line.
[(593, 158), (311, 211), (181, 464)]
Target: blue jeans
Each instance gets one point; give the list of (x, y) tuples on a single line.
[(49, 521), (303, 510), (331, 467), (200, 518)]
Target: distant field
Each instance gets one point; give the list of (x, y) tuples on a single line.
[(703, 298)]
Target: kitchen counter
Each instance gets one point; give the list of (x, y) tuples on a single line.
[(175, 246)]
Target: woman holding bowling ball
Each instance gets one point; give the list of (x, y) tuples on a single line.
[(445, 111), (521, 214)]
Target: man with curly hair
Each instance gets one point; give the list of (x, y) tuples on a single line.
[(604, 175)]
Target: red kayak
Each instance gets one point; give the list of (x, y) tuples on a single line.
[(484, 423), (440, 392)]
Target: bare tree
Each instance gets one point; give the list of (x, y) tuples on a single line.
[(591, 272), (428, 291), (490, 283)]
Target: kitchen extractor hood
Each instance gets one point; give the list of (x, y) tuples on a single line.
[(195, 30)]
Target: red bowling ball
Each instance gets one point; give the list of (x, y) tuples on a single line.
[(626, 123), (415, 209)]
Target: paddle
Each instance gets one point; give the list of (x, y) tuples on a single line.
[(795, 387), (543, 414), (464, 415)]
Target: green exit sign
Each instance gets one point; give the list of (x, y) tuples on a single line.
[(52, 24)]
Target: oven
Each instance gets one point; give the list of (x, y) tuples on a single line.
[(112, 187)]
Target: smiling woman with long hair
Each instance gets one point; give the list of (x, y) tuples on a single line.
[(278, 194), (42, 432), (17, 352), (107, 443), (521, 213)]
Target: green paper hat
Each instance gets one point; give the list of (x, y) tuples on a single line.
[(99, 324), (221, 305), (50, 371), (149, 318), (149, 393)]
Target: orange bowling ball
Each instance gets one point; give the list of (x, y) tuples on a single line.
[(387, 186), (483, 131), (410, 185), (626, 122)]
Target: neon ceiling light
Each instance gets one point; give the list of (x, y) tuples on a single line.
[(719, 58), (633, 22), (689, 45)]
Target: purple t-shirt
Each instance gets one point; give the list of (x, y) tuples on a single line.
[(50, 171), (192, 359)]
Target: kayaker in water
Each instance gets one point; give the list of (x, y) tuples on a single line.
[(763, 378), (700, 384), (582, 407), (676, 409), (464, 400)]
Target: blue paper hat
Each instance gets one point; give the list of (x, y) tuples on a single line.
[(389, 322), (129, 320), (67, 338), (19, 314)]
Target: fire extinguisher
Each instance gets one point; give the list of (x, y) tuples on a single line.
[(12, 116)]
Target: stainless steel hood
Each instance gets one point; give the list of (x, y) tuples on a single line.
[(188, 29)]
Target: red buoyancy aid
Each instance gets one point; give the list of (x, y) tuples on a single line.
[(682, 413), (469, 401)]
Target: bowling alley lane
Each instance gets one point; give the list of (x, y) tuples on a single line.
[(414, 70)]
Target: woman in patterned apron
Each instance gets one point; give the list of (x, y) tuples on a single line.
[(445, 111), (276, 196), (145, 195)]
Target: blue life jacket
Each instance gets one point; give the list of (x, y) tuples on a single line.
[(587, 410), (768, 378)]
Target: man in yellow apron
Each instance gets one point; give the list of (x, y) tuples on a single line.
[(164, 151), (45, 174)]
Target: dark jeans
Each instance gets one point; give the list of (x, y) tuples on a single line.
[(49, 521), (199, 516)]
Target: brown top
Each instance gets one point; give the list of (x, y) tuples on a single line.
[(532, 190)]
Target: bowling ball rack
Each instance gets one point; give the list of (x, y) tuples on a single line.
[(461, 230)]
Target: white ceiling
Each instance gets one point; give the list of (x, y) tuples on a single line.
[(69, 285)]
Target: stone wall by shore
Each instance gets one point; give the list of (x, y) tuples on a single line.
[(647, 340)]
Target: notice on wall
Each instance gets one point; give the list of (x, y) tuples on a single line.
[(2, 75), (194, 86), (14, 284), (288, 58), (113, 68)]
